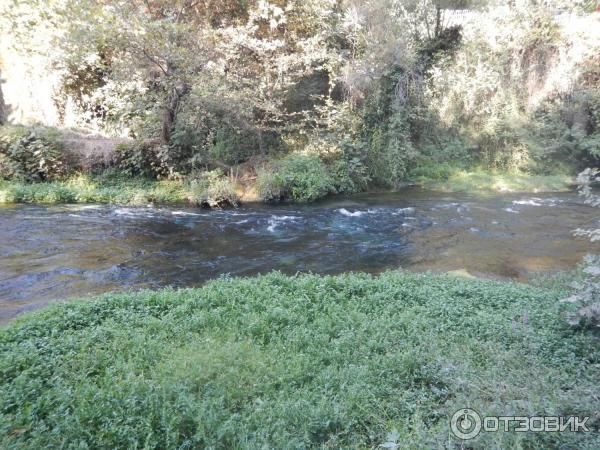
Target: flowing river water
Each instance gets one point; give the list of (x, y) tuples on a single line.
[(49, 253)]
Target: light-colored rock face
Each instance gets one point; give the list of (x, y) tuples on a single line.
[(28, 88), (3, 117), (30, 93), (31, 87)]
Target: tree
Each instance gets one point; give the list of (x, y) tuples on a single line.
[(144, 48), (160, 51)]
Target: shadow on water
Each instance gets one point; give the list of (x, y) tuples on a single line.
[(49, 253)]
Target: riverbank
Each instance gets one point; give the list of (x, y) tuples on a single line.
[(289, 362), (479, 180), (85, 189), (140, 191)]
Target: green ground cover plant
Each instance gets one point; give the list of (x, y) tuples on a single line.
[(482, 180), (297, 362), (90, 189)]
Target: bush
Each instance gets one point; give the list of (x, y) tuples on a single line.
[(301, 178), (7, 168), (567, 130), (296, 362), (31, 154), (213, 190), (387, 144), (146, 159), (197, 144), (349, 175), (586, 295)]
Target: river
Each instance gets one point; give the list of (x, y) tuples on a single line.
[(50, 253)]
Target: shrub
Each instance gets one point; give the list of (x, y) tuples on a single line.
[(54, 192), (389, 150), (349, 175), (587, 290), (140, 159), (31, 154), (195, 145), (301, 178), (7, 167), (586, 295), (213, 190), (567, 130)]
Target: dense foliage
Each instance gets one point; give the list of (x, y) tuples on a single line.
[(298, 177), (31, 154), (295, 362), (376, 89)]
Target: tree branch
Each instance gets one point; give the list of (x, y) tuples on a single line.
[(155, 62)]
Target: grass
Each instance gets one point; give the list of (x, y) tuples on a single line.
[(478, 180), (86, 189), (296, 362)]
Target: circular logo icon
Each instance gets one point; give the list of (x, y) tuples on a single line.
[(465, 424)]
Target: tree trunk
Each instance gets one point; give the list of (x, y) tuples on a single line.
[(170, 112), (168, 118), (438, 21)]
